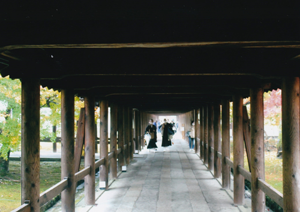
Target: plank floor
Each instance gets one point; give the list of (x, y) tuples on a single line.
[(163, 181)]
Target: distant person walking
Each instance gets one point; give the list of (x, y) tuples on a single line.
[(151, 130), (165, 127), (192, 136)]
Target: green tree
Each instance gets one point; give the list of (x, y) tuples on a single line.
[(10, 120)]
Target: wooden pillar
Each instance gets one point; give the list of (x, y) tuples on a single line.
[(113, 139), (217, 141), (205, 135), (135, 130), (67, 149), (225, 144), (89, 150), (257, 148), (202, 133), (142, 129), (210, 136), (121, 137), (238, 149), (128, 129), (130, 113), (96, 145), (104, 143), (290, 144), (30, 154), (54, 144), (139, 131), (196, 130)]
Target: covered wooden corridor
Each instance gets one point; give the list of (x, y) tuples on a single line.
[(149, 58)]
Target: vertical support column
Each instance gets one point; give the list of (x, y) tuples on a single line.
[(89, 149), (120, 137), (257, 148), (210, 136), (217, 141), (96, 145), (225, 144), (113, 140), (126, 133), (238, 149), (67, 149), (290, 144), (202, 133), (196, 130), (205, 134), (130, 114), (139, 131), (104, 143), (54, 143), (142, 129), (134, 130), (30, 154)]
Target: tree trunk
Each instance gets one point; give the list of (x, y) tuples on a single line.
[(4, 165)]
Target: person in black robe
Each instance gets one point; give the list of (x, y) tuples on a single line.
[(151, 130), (165, 127)]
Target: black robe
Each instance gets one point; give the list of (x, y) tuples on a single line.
[(152, 143), (165, 136)]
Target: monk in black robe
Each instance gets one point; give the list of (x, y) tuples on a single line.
[(151, 130), (165, 127)]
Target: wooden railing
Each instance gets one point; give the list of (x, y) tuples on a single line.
[(55, 190), (271, 192)]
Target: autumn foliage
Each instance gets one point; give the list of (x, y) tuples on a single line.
[(272, 107)]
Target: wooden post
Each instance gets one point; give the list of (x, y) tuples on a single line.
[(217, 141), (290, 144), (196, 130), (30, 154), (205, 134), (89, 150), (247, 135), (238, 149), (135, 131), (120, 137), (79, 139), (142, 129), (210, 136), (127, 133), (104, 143), (225, 144), (67, 149), (139, 131), (130, 113), (96, 145), (202, 133), (113, 139), (257, 148), (54, 143)]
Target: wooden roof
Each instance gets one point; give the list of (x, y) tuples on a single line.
[(155, 56)]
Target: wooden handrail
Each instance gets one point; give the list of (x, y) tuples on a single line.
[(271, 192), (219, 155), (23, 208), (229, 162), (119, 151), (53, 191), (244, 173), (110, 155), (99, 163), (49, 194), (82, 173)]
